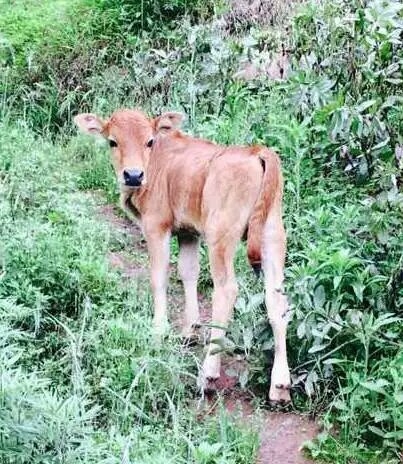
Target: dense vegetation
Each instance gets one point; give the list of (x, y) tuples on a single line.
[(81, 380)]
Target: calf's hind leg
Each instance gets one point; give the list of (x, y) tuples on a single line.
[(221, 254), (276, 302)]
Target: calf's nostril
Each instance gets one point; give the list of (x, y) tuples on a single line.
[(141, 175)]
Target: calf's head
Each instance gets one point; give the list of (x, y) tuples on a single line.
[(131, 137)]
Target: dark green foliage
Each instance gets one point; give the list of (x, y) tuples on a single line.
[(133, 16), (53, 54)]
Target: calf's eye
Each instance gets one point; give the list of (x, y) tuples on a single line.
[(112, 144)]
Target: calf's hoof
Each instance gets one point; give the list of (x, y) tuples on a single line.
[(209, 374), (208, 386), (190, 340), (190, 335), (160, 331), (280, 394)]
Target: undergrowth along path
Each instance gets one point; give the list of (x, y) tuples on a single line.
[(282, 434)]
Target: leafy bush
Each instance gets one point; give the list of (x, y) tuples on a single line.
[(50, 54), (151, 14), (356, 48)]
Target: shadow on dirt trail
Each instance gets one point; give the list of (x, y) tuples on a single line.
[(281, 434)]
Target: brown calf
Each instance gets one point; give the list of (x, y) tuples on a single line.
[(177, 184)]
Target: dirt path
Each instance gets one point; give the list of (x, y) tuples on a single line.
[(281, 434), (282, 437)]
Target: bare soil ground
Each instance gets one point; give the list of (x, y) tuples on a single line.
[(282, 437), (281, 434)]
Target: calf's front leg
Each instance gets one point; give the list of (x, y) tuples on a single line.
[(158, 249), (189, 268)]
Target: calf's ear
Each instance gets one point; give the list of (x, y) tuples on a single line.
[(89, 123), (168, 121)]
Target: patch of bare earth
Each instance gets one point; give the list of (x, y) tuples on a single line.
[(131, 265), (125, 225), (118, 260), (281, 434), (282, 437)]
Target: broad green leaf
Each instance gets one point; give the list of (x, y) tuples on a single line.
[(365, 105), (336, 281), (380, 416), (376, 385), (398, 434), (340, 405), (319, 296), (301, 330), (333, 361), (359, 290), (377, 431), (316, 348)]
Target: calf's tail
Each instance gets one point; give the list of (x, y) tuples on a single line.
[(270, 194)]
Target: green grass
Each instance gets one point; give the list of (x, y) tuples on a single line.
[(82, 380)]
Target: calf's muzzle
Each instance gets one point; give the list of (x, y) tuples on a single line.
[(133, 177)]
